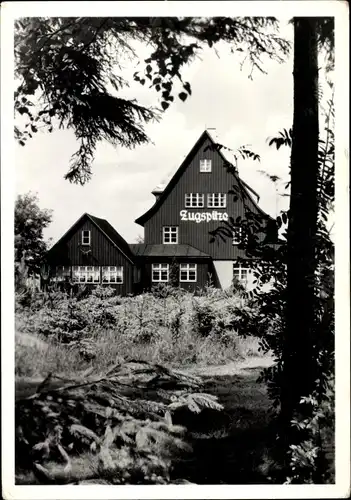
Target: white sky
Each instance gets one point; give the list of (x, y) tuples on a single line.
[(242, 111)]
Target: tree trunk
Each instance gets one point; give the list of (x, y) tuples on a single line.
[(298, 370)]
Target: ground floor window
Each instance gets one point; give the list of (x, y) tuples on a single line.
[(86, 274), (187, 272), (160, 272), (61, 273), (112, 274), (241, 272)]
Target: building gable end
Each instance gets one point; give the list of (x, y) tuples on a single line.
[(178, 174)]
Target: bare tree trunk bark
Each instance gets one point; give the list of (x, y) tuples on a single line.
[(298, 370)]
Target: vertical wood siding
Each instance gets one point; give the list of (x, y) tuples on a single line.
[(203, 270), (191, 232), (69, 252)]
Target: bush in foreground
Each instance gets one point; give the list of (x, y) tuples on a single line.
[(172, 326), (115, 426)]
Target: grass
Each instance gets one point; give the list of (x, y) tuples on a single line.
[(233, 447), (227, 445), (36, 356)]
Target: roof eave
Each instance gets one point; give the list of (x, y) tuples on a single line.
[(66, 233), (144, 218)]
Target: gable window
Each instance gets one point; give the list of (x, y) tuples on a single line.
[(86, 274), (85, 237), (237, 235), (170, 234), (187, 272), (205, 165), (216, 200), (62, 273), (112, 274), (194, 200), (160, 272), (240, 272)]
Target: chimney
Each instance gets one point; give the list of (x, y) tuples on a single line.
[(157, 191)]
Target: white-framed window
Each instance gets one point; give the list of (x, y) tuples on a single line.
[(160, 272), (187, 272), (62, 273), (112, 274), (240, 272), (194, 200), (237, 235), (86, 237), (170, 234), (86, 274), (216, 200), (205, 165)]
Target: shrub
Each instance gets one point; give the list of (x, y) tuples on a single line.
[(167, 325)]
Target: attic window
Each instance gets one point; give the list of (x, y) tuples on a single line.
[(85, 237), (205, 165)]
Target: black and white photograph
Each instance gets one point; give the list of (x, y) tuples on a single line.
[(175, 250)]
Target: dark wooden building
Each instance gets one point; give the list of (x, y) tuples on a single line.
[(179, 265), (204, 194), (92, 252)]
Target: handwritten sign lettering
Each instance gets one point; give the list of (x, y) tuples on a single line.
[(198, 217)]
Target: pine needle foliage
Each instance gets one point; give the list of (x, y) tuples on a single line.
[(70, 72), (121, 419)]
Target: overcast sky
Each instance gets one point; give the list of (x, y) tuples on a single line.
[(223, 97)]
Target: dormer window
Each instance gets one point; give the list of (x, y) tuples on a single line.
[(205, 165), (216, 200), (85, 237), (194, 200)]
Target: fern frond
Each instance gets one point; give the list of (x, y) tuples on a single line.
[(80, 430), (206, 401), (196, 402)]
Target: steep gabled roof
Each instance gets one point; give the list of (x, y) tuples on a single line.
[(104, 227), (171, 250), (172, 183), (226, 156), (112, 235)]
